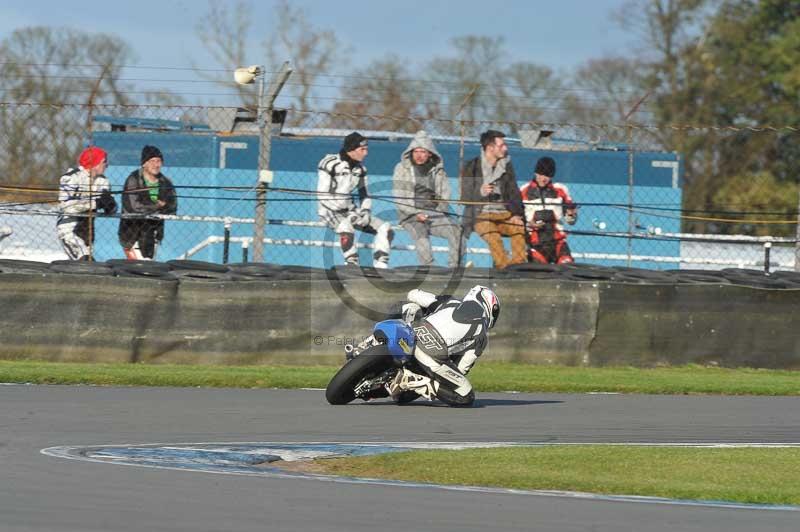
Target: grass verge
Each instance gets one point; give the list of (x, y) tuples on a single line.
[(486, 377), (746, 475)]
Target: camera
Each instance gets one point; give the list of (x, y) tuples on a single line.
[(546, 216)]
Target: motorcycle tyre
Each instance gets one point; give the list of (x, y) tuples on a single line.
[(368, 364)]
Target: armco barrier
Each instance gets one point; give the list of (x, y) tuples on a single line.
[(572, 317)]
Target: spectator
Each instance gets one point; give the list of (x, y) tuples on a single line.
[(490, 179), (147, 191), (421, 189), (340, 175), (81, 192), (546, 204)]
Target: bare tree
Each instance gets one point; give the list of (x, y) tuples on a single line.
[(224, 31), (473, 71), (54, 78), (478, 83), (313, 54), (381, 96)]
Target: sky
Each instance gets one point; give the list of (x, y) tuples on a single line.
[(560, 34)]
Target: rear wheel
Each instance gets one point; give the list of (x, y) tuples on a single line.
[(367, 365)]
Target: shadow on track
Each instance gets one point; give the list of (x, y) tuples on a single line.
[(479, 403)]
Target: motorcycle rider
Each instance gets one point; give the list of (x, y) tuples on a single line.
[(450, 336), (340, 175)]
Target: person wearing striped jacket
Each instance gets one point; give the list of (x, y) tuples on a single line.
[(82, 191)]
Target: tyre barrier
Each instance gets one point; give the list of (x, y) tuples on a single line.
[(79, 267), (193, 270), (142, 268), (257, 270), (23, 266), (197, 265)]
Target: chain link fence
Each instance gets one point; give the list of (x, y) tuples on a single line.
[(660, 198)]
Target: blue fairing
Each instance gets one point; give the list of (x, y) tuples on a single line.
[(397, 336)]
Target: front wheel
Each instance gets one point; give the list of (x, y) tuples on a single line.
[(369, 364)]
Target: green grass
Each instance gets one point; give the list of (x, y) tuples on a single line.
[(486, 377), (748, 475), (166, 375)]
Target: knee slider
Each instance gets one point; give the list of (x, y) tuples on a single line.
[(346, 241)]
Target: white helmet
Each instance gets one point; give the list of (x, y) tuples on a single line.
[(488, 300)]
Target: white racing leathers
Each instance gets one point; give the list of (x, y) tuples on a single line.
[(449, 341), (339, 178), (78, 195)]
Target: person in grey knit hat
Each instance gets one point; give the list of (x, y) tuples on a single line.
[(421, 191)]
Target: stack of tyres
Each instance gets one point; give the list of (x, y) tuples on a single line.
[(255, 271), (587, 272), (698, 277), (196, 270), (81, 267), (532, 270), (641, 276), (141, 268), (23, 266), (755, 278)]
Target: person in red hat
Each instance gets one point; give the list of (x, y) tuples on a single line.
[(82, 191)]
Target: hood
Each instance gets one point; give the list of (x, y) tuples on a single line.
[(422, 140)]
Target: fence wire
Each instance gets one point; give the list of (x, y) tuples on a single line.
[(662, 198)]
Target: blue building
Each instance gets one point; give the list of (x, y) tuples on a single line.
[(216, 172)]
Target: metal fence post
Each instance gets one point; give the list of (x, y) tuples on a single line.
[(226, 244), (767, 248), (631, 223), (797, 237), (266, 104)]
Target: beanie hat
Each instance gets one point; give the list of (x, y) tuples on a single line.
[(546, 166), (91, 157), (353, 140), (148, 152)]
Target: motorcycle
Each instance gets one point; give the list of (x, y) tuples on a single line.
[(383, 365)]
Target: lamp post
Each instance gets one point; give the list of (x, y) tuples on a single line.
[(246, 76)]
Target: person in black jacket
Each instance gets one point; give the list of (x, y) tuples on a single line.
[(147, 191), (493, 202)]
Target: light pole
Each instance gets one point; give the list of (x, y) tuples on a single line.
[(266, 101)]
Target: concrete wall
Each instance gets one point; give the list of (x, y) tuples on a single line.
[(63, 317)]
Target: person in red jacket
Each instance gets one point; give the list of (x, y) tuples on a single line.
[(546, 205)]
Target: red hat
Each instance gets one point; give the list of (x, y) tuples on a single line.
[(91, 157)]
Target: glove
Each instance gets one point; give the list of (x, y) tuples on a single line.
[(361, 217), (421, 297), (106, 202), (410, 312)]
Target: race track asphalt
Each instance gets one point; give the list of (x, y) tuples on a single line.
[(45, 493)]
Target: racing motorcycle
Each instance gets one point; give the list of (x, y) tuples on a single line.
[(382, 365)]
